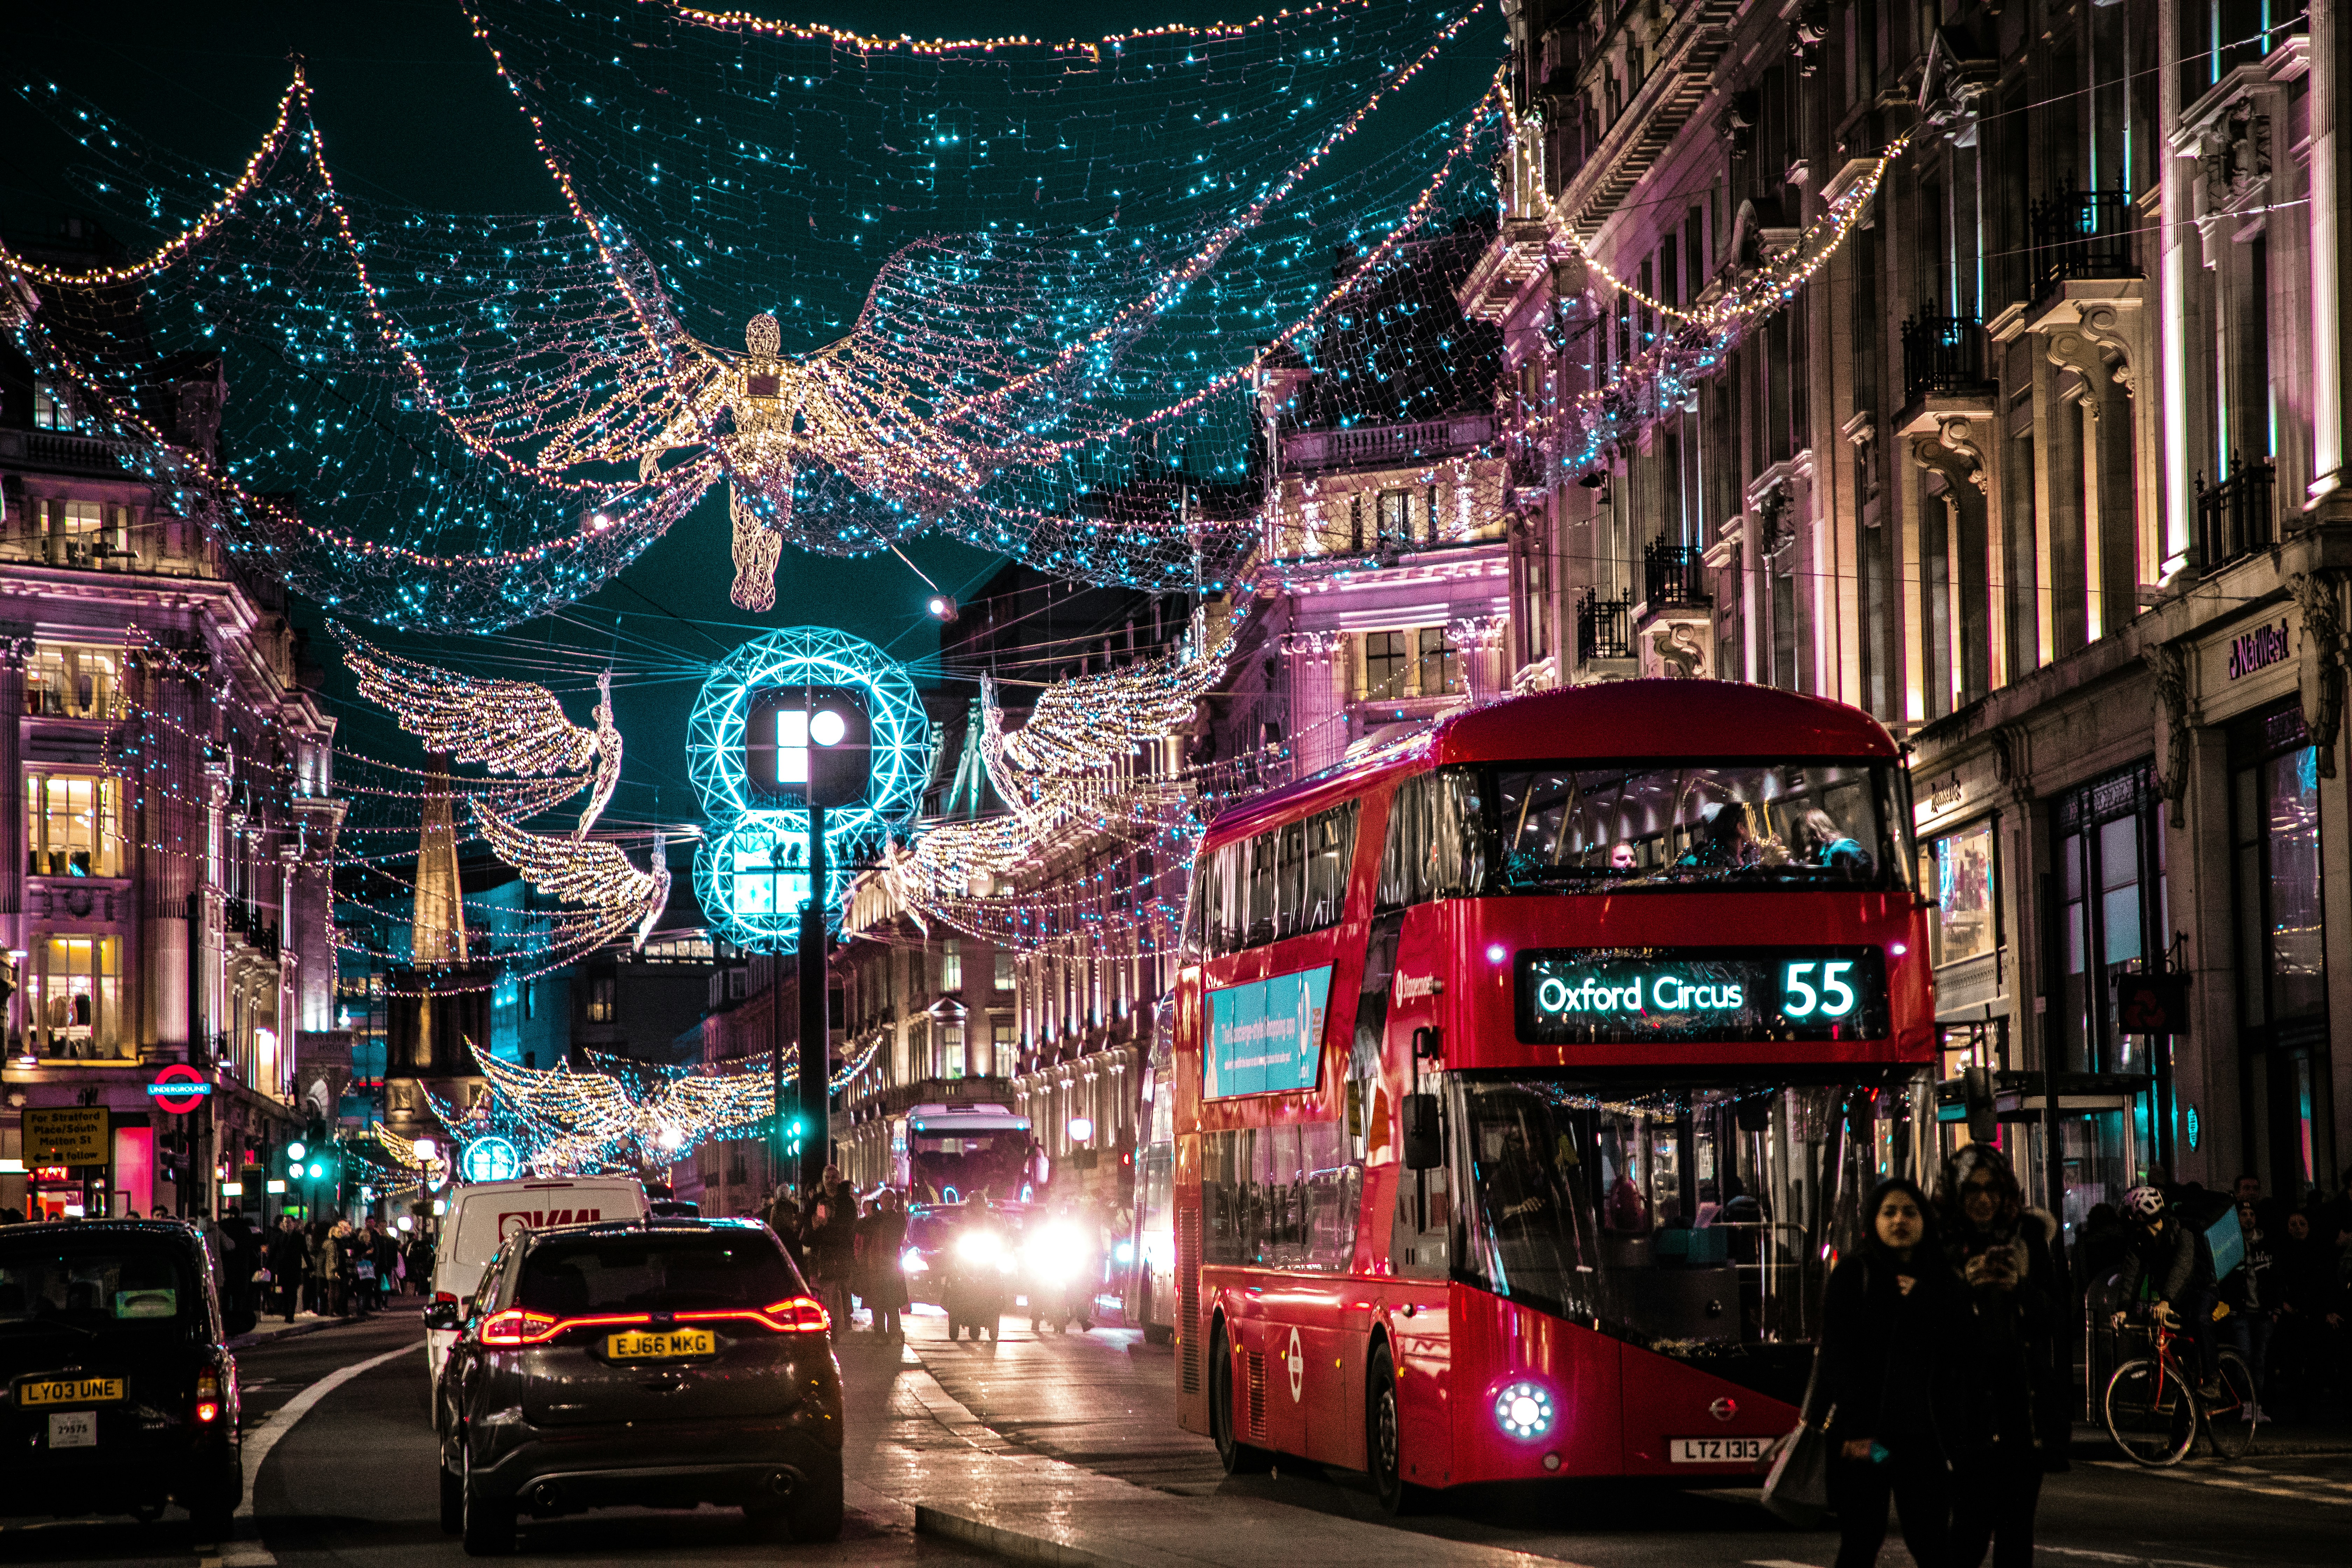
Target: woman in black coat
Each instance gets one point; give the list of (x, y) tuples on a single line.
[(2018, 1421), (1889, 1319)]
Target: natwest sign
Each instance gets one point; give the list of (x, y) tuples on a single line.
[(2259, 650)]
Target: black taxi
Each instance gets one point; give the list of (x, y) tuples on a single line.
[(117, 1392), (662, 1362)]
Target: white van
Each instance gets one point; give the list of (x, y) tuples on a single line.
[(482, 1215)]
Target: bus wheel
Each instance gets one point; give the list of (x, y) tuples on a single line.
[(1384, 1435), (1238, 1458)]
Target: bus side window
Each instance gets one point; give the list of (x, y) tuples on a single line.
[(1290, 880), (1227, 915), (1258, 928), (1400, 854), (1330, 850)]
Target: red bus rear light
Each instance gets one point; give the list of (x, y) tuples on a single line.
[(519, 1326), (797, 1315)]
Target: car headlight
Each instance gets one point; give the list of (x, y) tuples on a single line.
[(1123, 1253), (1524, 1410), (979, 1246), (911, 1262)]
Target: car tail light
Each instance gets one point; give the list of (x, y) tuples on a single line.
[(445, 1298), (208, 1395), (519, 1326), (795, 1315)]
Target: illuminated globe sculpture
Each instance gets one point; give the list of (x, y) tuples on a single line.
[(751, 871)]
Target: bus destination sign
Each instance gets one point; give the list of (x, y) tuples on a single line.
[(1600, 995), (1265, 1036)]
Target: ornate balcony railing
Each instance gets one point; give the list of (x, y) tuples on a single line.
[(1604, 627), (1373, 446), (2079, 235), (1942, 355), (1673, 574), (2236, 517)]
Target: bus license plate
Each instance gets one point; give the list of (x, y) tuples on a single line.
[(1716, 1450), (670, 1346), (69, 1391)]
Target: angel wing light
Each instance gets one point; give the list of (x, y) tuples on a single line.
[(599, 875), (507, 726)]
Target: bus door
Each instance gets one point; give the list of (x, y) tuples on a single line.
[(1314, 1368), (1419, 1319)]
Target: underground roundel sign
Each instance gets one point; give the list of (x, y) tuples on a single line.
[(179, 1088), (1296, 1362)]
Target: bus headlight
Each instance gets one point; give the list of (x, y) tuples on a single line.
[(1524, 1410)]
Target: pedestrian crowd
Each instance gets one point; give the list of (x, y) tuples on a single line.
[(848, 1249), (1945, 1384)]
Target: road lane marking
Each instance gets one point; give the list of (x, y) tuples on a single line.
[(2211, 1480), (264, 1438), (2141, 1558), (1777, 1563)]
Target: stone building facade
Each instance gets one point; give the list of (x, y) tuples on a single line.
[(2044, 467), (166, 822)]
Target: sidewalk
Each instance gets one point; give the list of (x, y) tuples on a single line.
[(272, 1327), (934, 1460)]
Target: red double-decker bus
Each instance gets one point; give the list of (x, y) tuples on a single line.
[(1526, 1079)]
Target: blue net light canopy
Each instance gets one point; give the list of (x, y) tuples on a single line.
[(863, 288)]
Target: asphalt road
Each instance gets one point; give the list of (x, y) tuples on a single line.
[(1101, 1400), (349, 1484)]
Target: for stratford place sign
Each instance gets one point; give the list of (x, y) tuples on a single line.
[(67, 1135)]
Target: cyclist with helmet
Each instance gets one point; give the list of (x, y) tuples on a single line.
[(2167, 1263)]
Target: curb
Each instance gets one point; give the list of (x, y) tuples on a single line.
[(298, 1331), (1012, 1544)]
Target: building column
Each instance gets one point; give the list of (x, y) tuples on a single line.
[(2330, 206), (12, 795), (2204, 904)]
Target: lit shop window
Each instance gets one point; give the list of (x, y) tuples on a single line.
[(71, 826), (949, 1061), (52, 410), (1956, 870), (64, 681), (73, 997)]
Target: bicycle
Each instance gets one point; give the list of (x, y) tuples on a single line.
[(2153, 1410)]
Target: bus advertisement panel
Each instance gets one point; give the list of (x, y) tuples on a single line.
[(1527, 1078), (1266, 1035)]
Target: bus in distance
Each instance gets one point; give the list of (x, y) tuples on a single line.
[(1526, 1079)]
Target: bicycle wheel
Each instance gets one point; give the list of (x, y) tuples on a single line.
[(2230, 1420), (2149, 1413)]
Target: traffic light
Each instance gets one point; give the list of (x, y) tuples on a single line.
[(171, 1154)]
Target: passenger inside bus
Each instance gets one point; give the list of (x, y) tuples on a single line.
[(1629, 828)]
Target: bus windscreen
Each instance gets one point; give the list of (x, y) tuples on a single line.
[(1630, 826)]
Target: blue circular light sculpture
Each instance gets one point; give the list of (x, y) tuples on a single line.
[(490, 1159), (751, 871)]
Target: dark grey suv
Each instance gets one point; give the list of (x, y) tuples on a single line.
[(660, 1364)]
